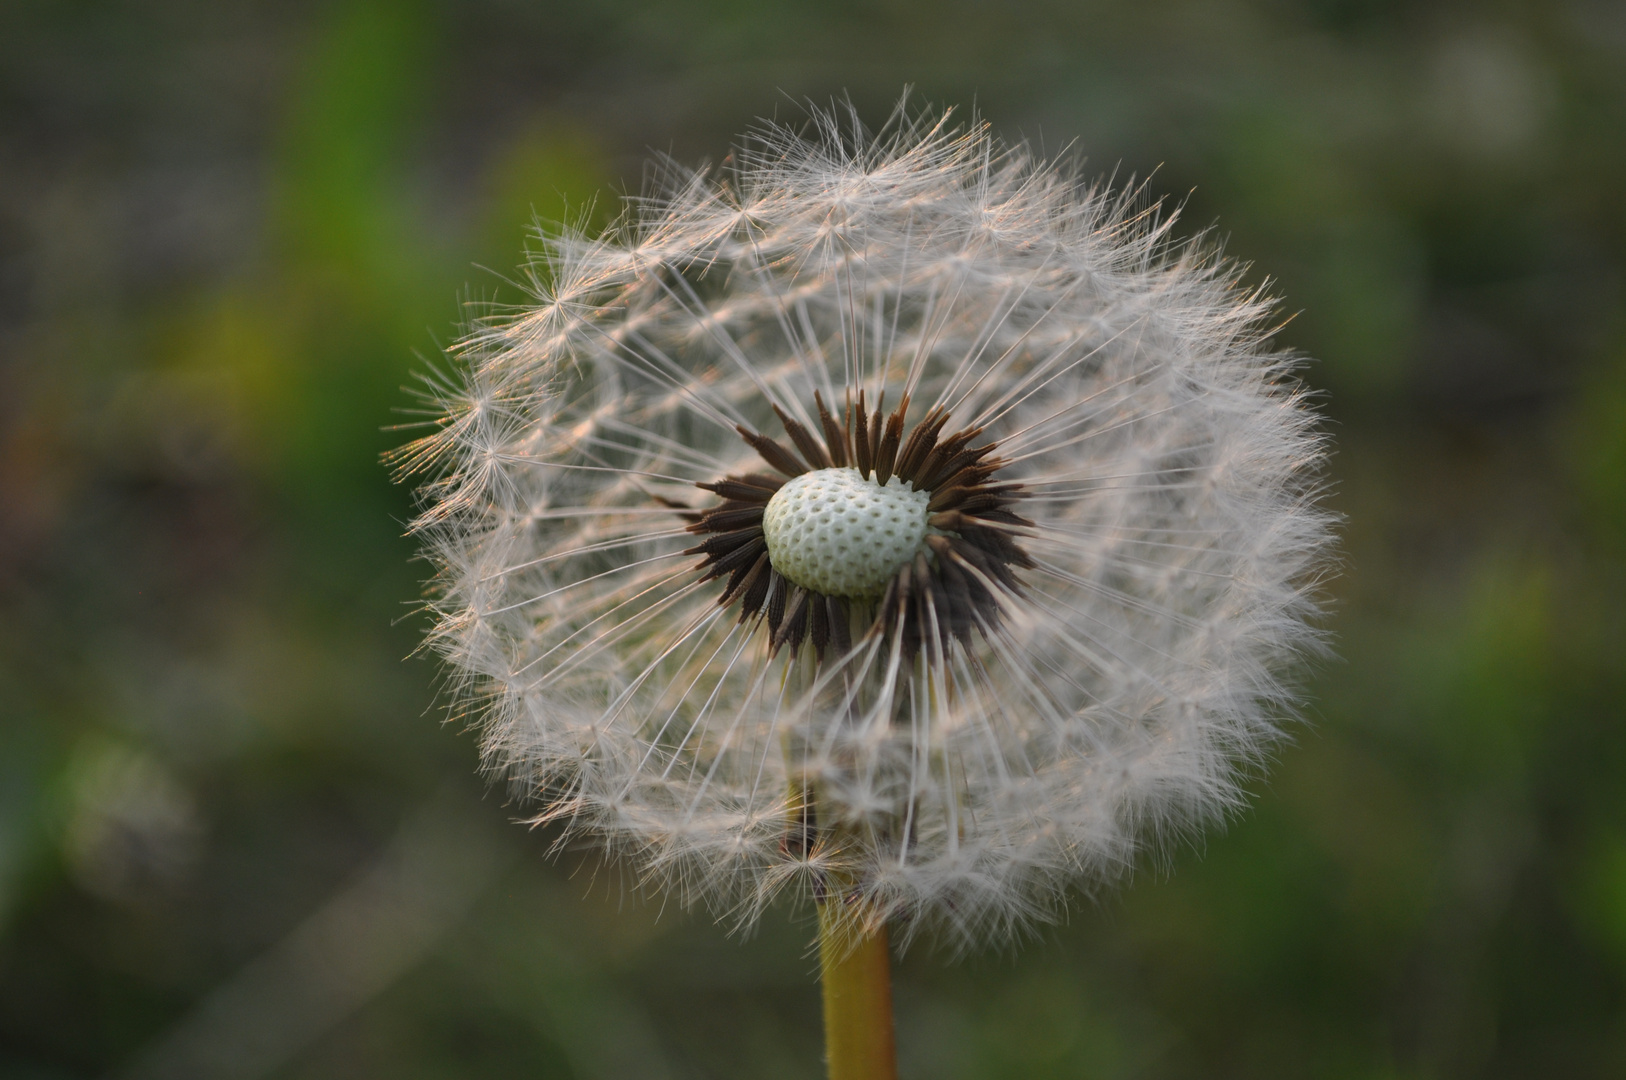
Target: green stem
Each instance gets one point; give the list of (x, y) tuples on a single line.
[(857, 979)]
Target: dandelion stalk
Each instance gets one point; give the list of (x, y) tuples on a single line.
[(856, 976)]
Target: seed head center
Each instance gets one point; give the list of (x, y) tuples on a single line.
[(840, 533)]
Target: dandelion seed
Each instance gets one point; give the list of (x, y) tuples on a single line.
[(886, 519)]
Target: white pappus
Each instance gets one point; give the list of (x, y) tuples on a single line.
[(885, 515)]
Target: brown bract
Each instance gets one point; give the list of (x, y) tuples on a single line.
[(952, 586)]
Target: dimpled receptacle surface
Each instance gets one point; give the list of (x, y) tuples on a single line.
[(842, 534)]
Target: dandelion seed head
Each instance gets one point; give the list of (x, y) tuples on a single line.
[(890, 514)]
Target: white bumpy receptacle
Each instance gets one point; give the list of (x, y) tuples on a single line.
[(842, 534)]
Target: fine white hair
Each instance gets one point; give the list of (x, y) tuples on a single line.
[(1165, 470)]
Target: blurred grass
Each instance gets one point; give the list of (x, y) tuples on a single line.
[(225, 237)]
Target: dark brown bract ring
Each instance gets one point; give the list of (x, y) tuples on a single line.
[(957, 578)]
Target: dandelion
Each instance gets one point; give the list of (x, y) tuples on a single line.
[(886, 519)]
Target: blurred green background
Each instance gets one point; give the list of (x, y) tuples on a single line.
[(235, 839)]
